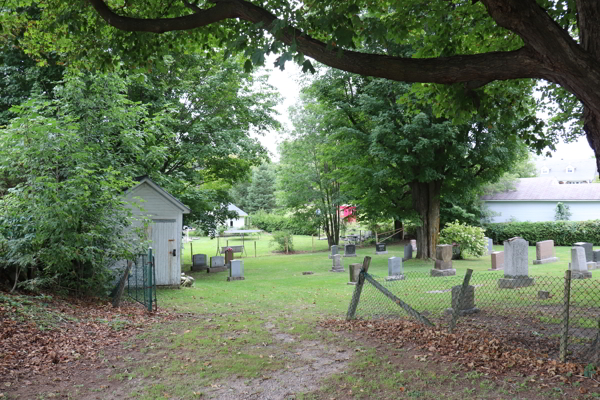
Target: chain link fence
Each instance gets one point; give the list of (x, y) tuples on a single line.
[(547, 310)]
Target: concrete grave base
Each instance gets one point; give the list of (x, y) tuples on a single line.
[(513, 283), (443, 272), (581, 275), (542, 294), (450, 311), (350, 255), (199, 267), (381, 252), (337, 270), (235, 278), (395, 278), (545, 261), (216, 269), (496, 269), (307, 273), (352, 283)]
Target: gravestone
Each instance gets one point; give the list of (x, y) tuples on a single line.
[(578, 265), (354, 273), (544, 252), (596, 256), (543, 294), (413, 243), (337, 264), (490, 245), (217, 264), (199, 262), (236, 271), (334, 251), (443, 261), (497, 261), (589, 253), (468, 304), (228, 256), (395, 269), (516, 268), (408, 250), (350, 250), (380, 248)]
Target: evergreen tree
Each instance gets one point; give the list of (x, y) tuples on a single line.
[(261, 193)]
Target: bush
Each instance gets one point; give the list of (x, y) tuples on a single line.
[(280, 238), (564, 233), (296, 224), (470, 238)]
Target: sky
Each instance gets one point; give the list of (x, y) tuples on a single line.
[(286, 82)]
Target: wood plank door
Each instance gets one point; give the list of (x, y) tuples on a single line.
[(163, 244)]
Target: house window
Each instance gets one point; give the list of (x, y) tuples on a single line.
[(570, 169), (545, 170)]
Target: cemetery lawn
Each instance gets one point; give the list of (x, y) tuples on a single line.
[(266, 337)]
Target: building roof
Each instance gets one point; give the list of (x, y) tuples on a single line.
[(583, 169), (168, 196), (239, 212), (547, 189)]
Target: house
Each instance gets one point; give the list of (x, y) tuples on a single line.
[(166, 213), (348, 213), (238, 222), (568, 171), (535, 199)]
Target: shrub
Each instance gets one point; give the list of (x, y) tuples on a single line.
[(562, 212), (470, 238), (564, 233), (280, 238), (296, 224)]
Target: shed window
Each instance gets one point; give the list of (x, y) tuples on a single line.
[(545, 170)]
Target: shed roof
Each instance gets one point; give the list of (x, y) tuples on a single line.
[(547, 189), (168, 196), (239, 211), (584, 169)]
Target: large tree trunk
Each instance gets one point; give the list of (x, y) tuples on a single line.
[(426, 201), (398, 225)]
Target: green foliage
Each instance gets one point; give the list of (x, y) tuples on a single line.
[(562, 212), (261, 192), (282, 240), (297, 224), (564, 233), (470, 238)]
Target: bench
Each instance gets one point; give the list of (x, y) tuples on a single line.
[(236, 249)]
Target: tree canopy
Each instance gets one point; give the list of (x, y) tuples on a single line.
[(462, 43)]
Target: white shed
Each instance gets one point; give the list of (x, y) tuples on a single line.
[(238, 222), (166, 213)]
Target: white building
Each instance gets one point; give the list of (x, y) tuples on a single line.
[(238, 222), (535, 199), (166, 212), (567, 171)]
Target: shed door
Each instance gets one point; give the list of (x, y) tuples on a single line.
[(163, 244)]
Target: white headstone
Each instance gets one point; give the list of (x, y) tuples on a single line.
[(578, 264), (334, 250), (516, 258), (395, 266), (236, 271)]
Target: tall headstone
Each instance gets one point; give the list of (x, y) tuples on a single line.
[(380, 248), (413, 243), (334, 251), (354, 273), (497, 261), (395, 269), (578, 265), (199, 262), (443, 261), (228, 255), (236, 271), (544, 252), (337, 264), (350, 250), (408, 250), (516, 268), (490, 245), (589, 253)]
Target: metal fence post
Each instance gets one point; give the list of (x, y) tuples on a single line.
[(564, 335), (149, 278), (461, 296)]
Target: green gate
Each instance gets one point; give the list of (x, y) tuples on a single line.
[(141, 284)]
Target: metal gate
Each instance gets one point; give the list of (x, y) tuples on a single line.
[(141, 283)]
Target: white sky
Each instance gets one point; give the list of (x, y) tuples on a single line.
[(286, 82)]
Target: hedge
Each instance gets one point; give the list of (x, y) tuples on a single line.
[(564, 233), (271, 222)]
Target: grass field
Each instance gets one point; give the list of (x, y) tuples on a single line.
[(260, 338)]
